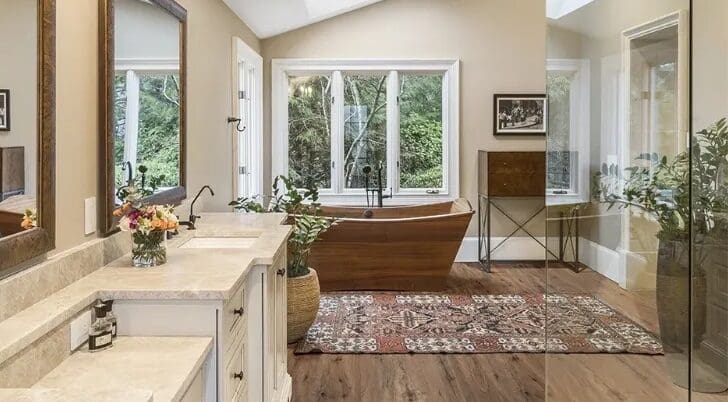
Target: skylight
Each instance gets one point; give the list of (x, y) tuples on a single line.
[(556, 9)]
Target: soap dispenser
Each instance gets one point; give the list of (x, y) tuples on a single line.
[(99, 336), (110, 317)]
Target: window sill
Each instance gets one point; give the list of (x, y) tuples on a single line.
[(397, 200), (565, 199)]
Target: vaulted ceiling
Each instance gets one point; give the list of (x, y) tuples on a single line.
[(269, 18)]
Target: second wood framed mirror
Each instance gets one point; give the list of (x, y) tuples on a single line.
[(142, 108)]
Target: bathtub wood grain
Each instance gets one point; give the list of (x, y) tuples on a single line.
[(396, 248)]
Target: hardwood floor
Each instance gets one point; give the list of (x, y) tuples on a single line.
[(500, 377)]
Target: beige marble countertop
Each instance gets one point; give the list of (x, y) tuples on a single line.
[(203, 274), (63, 395), (166, 366)]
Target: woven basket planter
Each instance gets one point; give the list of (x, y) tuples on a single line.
[(303, 304)]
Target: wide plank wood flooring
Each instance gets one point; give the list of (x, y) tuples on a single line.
[(500, 377)]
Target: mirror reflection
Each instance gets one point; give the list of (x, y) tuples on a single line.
[(18, 116), (146, 98)]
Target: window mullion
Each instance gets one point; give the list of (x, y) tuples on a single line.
[(393, 166), (337, 133)]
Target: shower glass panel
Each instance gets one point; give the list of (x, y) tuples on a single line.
[(709, 201), (618, 200)]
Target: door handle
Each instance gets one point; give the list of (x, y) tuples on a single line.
[(239, 311), (238, 376), (281, 272)]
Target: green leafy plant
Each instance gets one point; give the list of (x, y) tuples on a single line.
[(660, 187), (144, 184), (303, 211)]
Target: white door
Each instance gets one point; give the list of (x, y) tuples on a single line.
[(248, 133)]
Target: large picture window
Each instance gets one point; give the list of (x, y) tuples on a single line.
[(332, 119)]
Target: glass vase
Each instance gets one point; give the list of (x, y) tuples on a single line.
[(148, 250)]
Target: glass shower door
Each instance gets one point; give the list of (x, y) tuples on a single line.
[(618, 297), (709, 202)]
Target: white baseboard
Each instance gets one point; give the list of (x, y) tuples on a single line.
[(607, 262), (601, 259), (515, 249)]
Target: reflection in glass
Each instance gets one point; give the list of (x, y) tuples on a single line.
[(309, 128), (709, 202), (559, 169), (18, 116), (633, 250), (420, 105), (365, 127), (146, 97)]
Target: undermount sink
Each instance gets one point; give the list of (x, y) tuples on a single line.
[(219, 242)]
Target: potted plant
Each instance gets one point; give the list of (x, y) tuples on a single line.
[(660, 188), (303, 212)]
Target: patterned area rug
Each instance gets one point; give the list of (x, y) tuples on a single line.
[(384, 323)]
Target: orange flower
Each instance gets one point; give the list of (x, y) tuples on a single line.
[(27, 223), (122, 210), (158, 224)]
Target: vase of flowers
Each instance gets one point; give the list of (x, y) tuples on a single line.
[(148, 225)]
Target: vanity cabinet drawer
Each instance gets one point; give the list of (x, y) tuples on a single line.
[(235, 376), (233, 318)]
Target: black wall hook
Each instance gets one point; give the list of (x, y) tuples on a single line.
[(239, 122)]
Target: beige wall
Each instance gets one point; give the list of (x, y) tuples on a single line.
[(19, 74), (209, 94), (211, 27), (499, 42)]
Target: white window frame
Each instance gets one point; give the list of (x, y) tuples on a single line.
[(247, 149), (579, 129), (281, 69)]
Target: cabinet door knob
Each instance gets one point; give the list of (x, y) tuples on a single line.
[(239, 311), (281, 271), (238, 376)]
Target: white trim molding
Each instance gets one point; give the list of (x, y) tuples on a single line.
[(282, 69), (680, 19), (252, 137)]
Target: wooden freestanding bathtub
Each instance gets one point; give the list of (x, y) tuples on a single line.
[(393, 248)]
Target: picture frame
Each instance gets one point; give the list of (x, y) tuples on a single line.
[(4, 110), (520, 114)]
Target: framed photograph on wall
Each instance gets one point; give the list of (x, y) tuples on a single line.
[(520, 114), (4, 110)]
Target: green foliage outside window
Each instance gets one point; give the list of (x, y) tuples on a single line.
[(365, 134), (159, 126)]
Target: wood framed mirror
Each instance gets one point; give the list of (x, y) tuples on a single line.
[(142, 106), (27, 131)]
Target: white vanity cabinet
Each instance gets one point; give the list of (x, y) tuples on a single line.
[(249, 361), (267, 341)]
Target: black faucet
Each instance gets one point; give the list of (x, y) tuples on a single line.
[(130, 172), (193, 218), (379, 190)]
